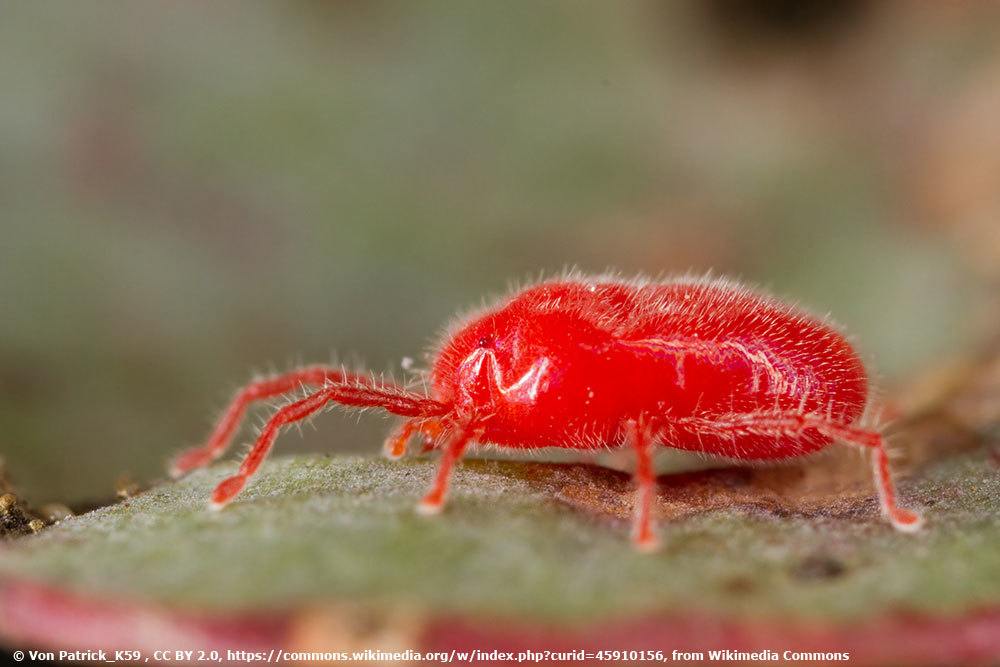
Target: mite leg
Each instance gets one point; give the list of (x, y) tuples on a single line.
[(784, 424), (350, 394), (398, 440), (431, 430), (222, 434), (643, 536), (433, 502), (901, 518), (395, 445)]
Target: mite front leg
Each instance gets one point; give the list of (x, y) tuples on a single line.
[(643, 536), (222, 434), (351, 395), (433, 502)]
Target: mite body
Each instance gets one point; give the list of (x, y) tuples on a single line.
[(593, 363)]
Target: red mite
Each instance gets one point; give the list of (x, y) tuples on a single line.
[(589, 363)]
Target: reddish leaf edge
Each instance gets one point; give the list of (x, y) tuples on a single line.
[(41, 616)]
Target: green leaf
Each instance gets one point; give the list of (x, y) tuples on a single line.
[(529, 540)]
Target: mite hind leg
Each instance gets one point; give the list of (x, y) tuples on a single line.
[(790, 424), (643, 536), (901, 518)]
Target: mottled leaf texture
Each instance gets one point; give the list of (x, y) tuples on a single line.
[(527, 554)]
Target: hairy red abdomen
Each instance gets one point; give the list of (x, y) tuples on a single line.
[(569, 364)]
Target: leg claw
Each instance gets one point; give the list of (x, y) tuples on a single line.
[(906, 521)]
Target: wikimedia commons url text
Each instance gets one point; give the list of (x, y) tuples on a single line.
[(278, 656)]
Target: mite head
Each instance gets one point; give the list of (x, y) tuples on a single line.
[(513, 359)]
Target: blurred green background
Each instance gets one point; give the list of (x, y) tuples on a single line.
[(190, 192)]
